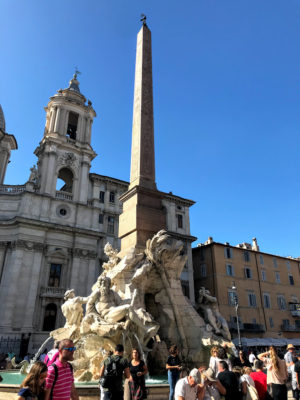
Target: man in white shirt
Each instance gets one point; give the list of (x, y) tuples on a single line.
[(189, 388), (252, 358), (288, 357)]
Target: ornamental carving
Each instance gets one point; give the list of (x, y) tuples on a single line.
[(68, 159)]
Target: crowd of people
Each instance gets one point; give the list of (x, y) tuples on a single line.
[(245, 375)]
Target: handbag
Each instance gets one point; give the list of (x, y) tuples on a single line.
[(251, 393)]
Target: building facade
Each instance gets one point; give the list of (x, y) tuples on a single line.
[(54, 227), (266, 287)]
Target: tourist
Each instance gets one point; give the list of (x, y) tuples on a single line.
[(242, 361), (43, 355), (295, 380), (276, 373), (288, 357), (190, 387), (247, 383), (53, 354), (111, 382), (173, 367), (260, 379), (252, 358), (32, 386), (213, 389), (60, 378), (213, 357), (221, 356), (229, 380), (138, 370)]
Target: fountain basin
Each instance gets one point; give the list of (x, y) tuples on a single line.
[(157, 386)]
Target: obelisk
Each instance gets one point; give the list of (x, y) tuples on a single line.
[(143, 213)]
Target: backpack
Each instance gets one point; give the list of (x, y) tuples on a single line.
[(111, 373), (56, 376)]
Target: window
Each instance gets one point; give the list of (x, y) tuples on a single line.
[(179, 221), (54, 276), (291, 280), (271, 322), (229, 270), (231, 298), (281, 302), (101, 196), (246, 256), (261, 259), (297, 323), (63, 212), (248, 273), (101, 218), (111, 197), (275, 262), (288, 265), (203, 271), (252, 299), (64, 181), (110, 225), (286, 323), (253, 320), (50, 317), (228, 252), (277, 277), (267, 301), (263, 275), (72, 125)]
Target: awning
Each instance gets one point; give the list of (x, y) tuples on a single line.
[(249, 342)]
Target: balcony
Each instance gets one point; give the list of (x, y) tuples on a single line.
[(295, 309), (233, 326), (63, 195), (12, 189), (254, 328), (52, 292), (290, 328)]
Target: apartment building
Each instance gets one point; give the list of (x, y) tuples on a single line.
[(265, 286)]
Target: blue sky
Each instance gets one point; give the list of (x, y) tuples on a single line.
[(226, 101)]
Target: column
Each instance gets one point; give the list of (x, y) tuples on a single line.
[(52, 119), (4, 157), (33, 290), (57, 120), (84, 181), (9, 288), (49, 186)]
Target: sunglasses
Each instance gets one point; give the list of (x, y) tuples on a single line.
[(69, 348)]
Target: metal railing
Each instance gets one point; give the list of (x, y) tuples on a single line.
[(12, 189), (290, 328)]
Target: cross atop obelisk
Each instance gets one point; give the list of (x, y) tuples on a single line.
[(143, 214), (142, 151)]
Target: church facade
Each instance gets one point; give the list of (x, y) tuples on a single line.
[(53, 228)]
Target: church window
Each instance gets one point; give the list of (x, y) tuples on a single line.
[(54, 276), (179, 221), (111, 197), (72, 125), (100, 218), (65, 180), (110, 225), (63, 212), (101, 196), (50, 317)]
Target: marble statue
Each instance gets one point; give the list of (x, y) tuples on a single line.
[(138, 301), (208, 306)]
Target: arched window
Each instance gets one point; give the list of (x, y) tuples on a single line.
[(72, 125), (65, 180), (50, 317)]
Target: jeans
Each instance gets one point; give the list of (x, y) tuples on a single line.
[(115, 395), (173, 376)]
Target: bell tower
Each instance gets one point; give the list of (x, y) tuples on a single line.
[(65, 152)]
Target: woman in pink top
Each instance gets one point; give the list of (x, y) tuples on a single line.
[(276, 373)]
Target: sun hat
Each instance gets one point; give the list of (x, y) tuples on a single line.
[(195, 374), (290, 346), (209, 374)]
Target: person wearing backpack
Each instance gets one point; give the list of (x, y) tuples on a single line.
[(60, 378), (111, 375)]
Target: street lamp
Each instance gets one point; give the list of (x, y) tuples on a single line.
[(236, 306)]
